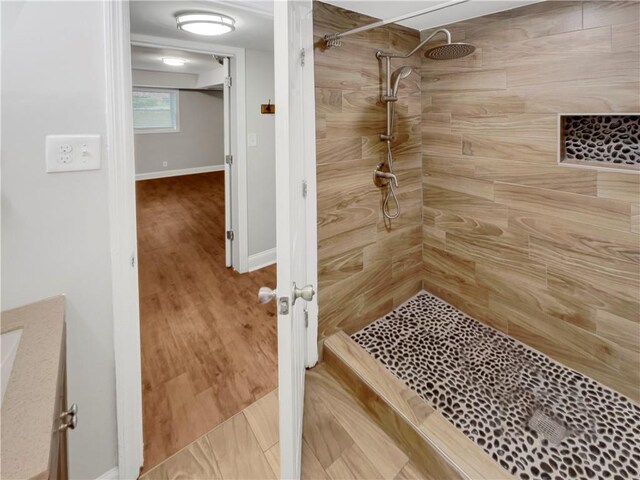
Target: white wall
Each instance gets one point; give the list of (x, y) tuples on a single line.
[(199, 143), (211, 77), (149, 78), (55, 228), (152, 78), (261, 160)]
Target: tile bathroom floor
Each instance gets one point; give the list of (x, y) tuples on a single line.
[(537, 418), (208, 348), (340, 441)]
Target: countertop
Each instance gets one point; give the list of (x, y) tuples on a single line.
[(28, 409)]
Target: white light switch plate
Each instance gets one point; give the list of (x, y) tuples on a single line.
[(70, 153), (252, 140)]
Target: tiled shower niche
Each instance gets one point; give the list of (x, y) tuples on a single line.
[(600, 140)]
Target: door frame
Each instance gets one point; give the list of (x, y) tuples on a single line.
[(228, 172), (296, 206), (122, 215), (238, 144)]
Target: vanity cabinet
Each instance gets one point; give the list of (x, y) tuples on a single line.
[(35, 416), (62, 422)]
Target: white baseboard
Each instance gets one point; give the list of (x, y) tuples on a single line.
[(177, 173), (112, 474), (262, 259)]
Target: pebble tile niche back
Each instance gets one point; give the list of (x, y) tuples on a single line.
[(601, 141)]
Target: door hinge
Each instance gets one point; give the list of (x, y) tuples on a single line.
[(227, 81), (303, 54), (230, 235), (133, 260), (228, 159), (304, 189)]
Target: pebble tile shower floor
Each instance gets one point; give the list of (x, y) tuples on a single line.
[(493, 388)]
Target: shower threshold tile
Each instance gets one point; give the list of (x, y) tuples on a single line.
[(537, 418)]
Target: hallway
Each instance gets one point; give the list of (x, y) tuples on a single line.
[(208, 347)]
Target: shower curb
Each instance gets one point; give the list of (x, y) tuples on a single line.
[(433, 444)]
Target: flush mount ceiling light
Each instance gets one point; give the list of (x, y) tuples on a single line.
[(174, 61), (205, 23)]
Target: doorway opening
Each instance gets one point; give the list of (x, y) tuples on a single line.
[(208, 348)]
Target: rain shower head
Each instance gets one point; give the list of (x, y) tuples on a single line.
[(399, 74), (450, 51)]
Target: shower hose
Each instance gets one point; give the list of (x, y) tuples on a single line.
[(391, 190)]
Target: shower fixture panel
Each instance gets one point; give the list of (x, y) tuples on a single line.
[(383, 175)]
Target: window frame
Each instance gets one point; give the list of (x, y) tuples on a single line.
[(138, 130)]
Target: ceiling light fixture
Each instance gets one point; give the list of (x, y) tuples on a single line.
[(205, 23), (173, 61)]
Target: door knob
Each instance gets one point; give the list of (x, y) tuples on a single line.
[(72, 412), (70, 418), (266, 294), (306, 293), (71, 424)]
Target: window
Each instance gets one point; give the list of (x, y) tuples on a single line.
[(155, 111)]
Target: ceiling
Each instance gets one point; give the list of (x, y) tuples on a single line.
[(149, 58), (385, 9), (254, 21), (254, 18)]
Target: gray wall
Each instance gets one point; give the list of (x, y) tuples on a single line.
[(199, 143), (55, 227), (261, 160), (192, 146)]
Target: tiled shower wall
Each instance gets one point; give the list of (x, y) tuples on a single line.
[(366, 265), (548, 254)]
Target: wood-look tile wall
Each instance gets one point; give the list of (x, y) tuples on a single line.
[(366, 266), (548, 254)]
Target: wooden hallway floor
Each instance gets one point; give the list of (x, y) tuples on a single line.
[(208, 348), (340, 441)]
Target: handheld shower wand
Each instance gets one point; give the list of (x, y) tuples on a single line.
[(399, 74), (382, 177)]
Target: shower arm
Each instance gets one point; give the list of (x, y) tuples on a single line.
[(389, 56)]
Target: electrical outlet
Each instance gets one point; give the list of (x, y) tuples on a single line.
[(68, 153), (165, 164)]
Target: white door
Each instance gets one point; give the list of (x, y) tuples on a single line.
[(296, 220), (226, 99)]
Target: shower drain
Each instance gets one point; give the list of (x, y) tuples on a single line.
[(549, 428)]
